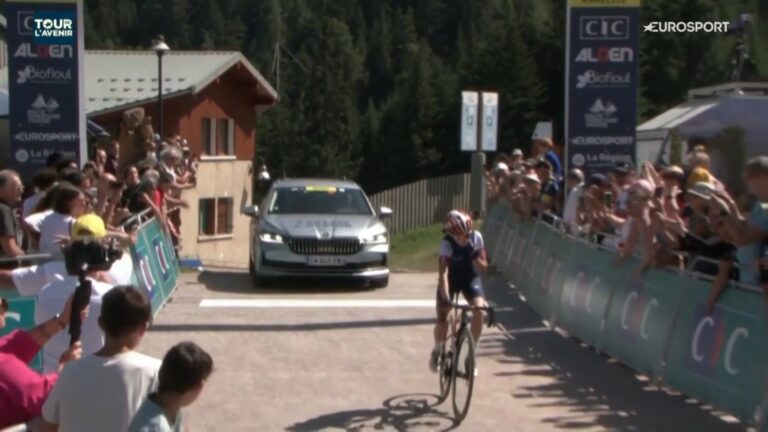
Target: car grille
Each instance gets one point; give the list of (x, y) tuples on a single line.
[(305, 246)]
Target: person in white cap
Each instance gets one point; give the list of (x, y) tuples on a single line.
[(517, 160)]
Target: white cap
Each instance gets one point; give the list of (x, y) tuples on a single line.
[(501, 166), (517, 152), (532, 177)]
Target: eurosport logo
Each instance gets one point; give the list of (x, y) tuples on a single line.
[(604, 27), (601, 114), (605, 55), (45, 136), (687, 27), (594, 79), (603, 140), (28, 50), (712, 344), (48, 75)]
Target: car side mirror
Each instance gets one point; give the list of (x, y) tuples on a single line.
[(385, 212), (252, 211)]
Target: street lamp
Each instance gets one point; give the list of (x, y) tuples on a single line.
[(160, 47)]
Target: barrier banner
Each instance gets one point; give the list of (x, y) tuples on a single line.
[(640, 318), (20, 315), (719, 358), (655, 323)]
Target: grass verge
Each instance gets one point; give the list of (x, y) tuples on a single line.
[(416, 250)]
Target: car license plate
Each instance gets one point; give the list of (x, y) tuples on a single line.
[(325, 261)]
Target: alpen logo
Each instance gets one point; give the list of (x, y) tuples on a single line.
[(43, 112), (601, 114), (43, 76)]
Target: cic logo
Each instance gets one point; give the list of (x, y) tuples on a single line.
[(635, 313), (580, 291), (713, 341)]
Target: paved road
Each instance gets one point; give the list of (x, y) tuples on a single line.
[(288, 362)]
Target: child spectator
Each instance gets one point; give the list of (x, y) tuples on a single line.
[(102, 392), (185, 369)]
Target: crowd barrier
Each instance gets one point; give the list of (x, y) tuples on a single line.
[(155, 270), (655, 323)]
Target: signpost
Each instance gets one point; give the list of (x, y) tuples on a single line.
[(485, 132), (601, 83), (46, 89)]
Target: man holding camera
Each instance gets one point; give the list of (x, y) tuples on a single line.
[(85, 258)]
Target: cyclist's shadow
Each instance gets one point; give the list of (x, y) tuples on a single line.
[(410, 412)]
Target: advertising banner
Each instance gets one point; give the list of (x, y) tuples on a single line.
[(601, 83), (469, 111), (45, 51), (490, 121)]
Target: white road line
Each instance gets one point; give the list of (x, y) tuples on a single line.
[(317, 303)]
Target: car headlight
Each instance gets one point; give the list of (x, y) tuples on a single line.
[(375, 239), (268, 237)]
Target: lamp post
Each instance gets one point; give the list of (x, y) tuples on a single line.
[(160, 47)]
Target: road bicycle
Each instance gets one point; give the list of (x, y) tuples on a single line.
[(456, 362)]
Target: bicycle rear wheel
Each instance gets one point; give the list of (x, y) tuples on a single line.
[(444, 370), (463, 374)]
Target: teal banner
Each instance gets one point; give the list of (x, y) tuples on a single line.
[(655, 322)]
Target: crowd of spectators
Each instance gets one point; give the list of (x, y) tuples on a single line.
[(664, 216), (97, 382)]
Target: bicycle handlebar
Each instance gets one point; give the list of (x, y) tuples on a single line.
[(467, 307)]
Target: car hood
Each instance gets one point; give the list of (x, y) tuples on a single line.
[(323, 226)]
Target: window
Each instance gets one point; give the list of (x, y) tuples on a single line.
[(319, 200), (218, 137), (216, 216)]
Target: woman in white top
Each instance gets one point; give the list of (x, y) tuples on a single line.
[(69, 204)]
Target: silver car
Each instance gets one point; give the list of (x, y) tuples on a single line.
[(318, 228)]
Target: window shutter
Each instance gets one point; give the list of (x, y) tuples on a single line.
[(231, 137), (212, 137)]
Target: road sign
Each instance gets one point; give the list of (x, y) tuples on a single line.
[(469, 108), (490, 121)]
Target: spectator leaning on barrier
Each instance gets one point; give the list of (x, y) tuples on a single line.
[(70, 204), (623, 176), (43, 181), (528, 196), (574, 184), (102, 392), (549, 189), (183, 373), (11, 191), (23, 390)]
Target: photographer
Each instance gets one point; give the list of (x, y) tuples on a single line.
[(86, 258), (22, 390)]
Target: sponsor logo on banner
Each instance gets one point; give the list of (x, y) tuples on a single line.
[(25, 23), (146, 274), (29, 50), (604, 27), (603, 140), (687, 27), (601, 114), (23, 155), (54, 27), (636, 312), (605, 55), (580, 292), (43, 112), (45, 136), (32, 74), (712, 344), (594, 79)]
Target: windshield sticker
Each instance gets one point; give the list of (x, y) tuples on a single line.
[(326, 189)]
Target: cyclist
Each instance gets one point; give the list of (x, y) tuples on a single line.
[(462, 257)]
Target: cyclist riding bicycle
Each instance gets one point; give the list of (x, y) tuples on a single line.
[(462, 258)]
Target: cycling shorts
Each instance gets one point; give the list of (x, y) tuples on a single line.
[(470, 291)]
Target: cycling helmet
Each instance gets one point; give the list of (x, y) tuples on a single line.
[(458, 222)]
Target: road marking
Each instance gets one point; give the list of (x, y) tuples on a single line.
[(317, 303)]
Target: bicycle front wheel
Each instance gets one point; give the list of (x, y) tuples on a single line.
[(463, 374), (445, 368)]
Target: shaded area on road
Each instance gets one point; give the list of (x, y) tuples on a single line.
[(402, 413), (245, 327), (221, 280), (595, 391)]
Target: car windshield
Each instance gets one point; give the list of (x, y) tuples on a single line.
[(319, 200)]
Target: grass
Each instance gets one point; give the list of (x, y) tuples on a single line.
[(416, 250)]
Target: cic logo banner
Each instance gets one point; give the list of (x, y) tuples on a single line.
[(715, 342)]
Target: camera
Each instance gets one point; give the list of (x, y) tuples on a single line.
[(90, 255)]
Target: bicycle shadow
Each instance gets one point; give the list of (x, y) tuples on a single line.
[(408, 412)]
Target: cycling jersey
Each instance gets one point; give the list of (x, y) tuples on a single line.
[(462, 274)]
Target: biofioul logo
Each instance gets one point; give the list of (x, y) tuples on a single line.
[(687, 27), (33, 74), (591, 78)]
